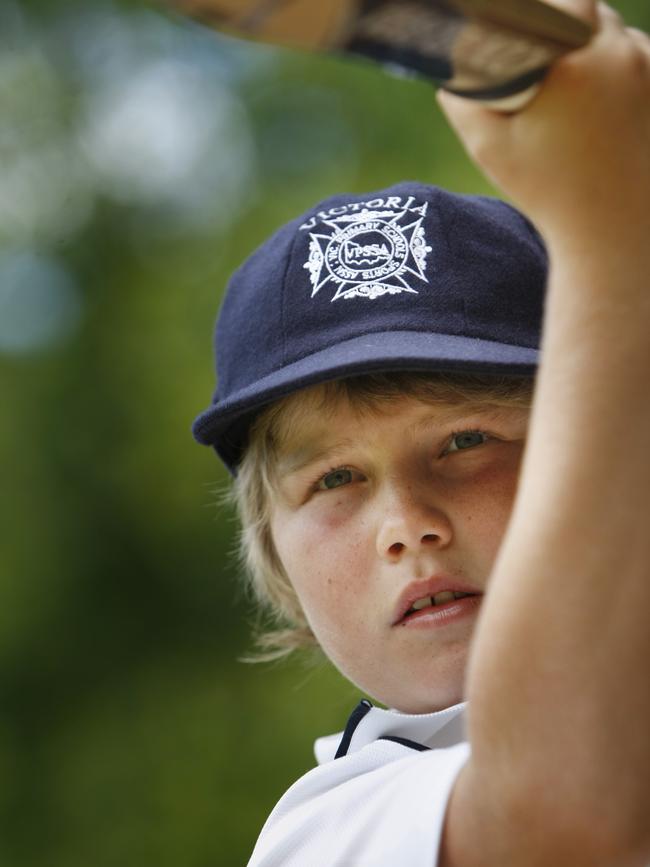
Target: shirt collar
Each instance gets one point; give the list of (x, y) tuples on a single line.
[(443, 728)]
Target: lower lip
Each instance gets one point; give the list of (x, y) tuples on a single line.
[(442, 615)]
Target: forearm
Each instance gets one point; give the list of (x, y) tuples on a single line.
[(558, 683)]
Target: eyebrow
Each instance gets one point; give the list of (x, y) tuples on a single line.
[(305, 455)]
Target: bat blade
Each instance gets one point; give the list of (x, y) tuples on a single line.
[(291, 23), (483, 49)]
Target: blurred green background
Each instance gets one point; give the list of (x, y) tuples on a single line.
[(141, 158)]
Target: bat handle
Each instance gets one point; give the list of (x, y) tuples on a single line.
[(518, 95), (513, 103)]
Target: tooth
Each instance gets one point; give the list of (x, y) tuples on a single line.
[(458, 595), (422, 603), (445, 596)]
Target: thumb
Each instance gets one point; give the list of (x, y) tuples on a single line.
[(475, 125)]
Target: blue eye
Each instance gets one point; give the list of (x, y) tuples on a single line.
[(335, 479), (466, 439)]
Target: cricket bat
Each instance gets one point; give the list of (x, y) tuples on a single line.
[(495, 51)]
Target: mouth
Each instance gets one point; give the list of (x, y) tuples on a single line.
[(436, 601)]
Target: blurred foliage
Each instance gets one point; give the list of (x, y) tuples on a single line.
[(142, 158)]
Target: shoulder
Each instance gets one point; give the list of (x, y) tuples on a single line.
[(382, 802)]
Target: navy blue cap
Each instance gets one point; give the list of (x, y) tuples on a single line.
[(408, 278)]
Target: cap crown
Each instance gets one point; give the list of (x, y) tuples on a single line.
[(412, 277)]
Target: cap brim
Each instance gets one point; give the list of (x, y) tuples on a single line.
[(381, 351)]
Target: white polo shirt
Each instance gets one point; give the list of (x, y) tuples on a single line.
[(378, 797)]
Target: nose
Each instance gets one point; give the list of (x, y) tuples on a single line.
[(410, 521)]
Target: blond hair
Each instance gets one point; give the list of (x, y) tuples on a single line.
[(282, 626)]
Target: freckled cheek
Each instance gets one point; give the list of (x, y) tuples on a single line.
[(326, 556), (486, 509)]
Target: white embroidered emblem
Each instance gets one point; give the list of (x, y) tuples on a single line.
[(370, 250)]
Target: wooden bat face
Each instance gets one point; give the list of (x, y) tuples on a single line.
[(484, 49)]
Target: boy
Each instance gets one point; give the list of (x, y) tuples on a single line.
[(375, 363)]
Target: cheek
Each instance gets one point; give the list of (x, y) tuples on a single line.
[(325, 555), (487, 507)]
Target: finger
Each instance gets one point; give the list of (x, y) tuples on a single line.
[(640, 38), (610, 16), (585, 9)]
